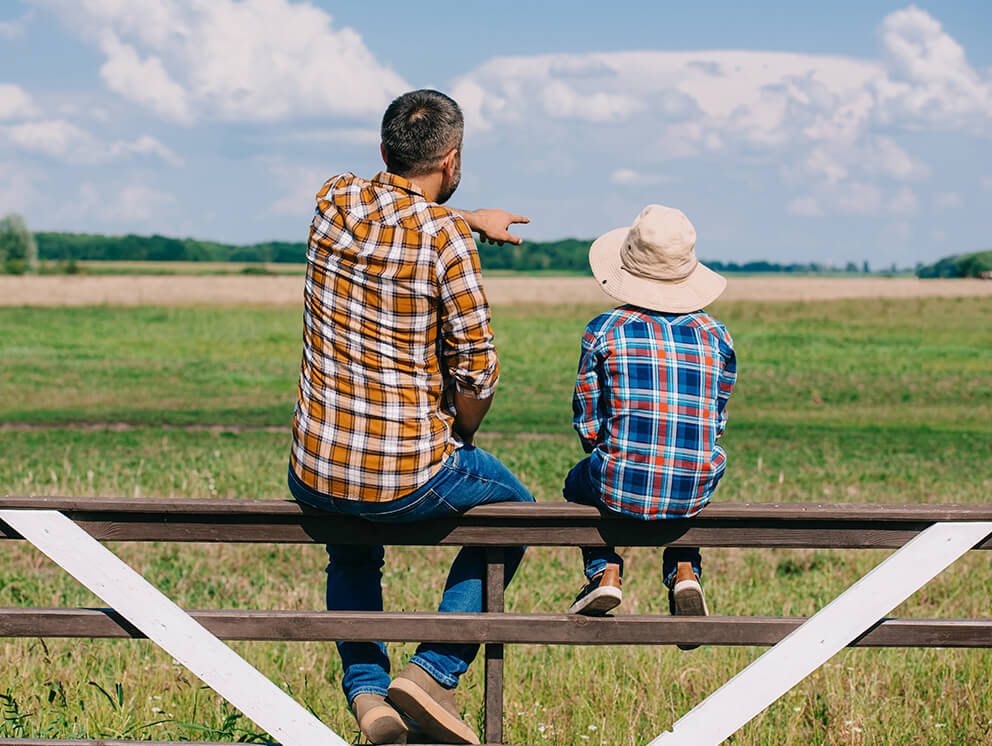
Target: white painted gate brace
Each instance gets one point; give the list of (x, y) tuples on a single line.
[(170, 627), (807, 648)]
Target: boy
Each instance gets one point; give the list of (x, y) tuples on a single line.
[(650, 398)]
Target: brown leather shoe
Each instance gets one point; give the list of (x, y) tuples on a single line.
[(378, 722), (431, 705), (686, 596), (601, 594)]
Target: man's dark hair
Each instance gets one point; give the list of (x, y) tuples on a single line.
[(418, 129)]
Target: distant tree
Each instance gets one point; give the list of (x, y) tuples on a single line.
[(866, 268), (18, 251), (851, 267)]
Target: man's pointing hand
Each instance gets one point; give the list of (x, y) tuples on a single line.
[(492, 225)]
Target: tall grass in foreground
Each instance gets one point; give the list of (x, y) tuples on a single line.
[(873, 401)]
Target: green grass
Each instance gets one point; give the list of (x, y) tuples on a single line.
[(917, 363), (850, 401)]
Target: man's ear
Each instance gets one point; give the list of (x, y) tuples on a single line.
[(448, 162), (382, 152)]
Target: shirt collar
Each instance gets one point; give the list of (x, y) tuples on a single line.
[(398, 182)]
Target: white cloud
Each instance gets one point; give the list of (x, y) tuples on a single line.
[(840, 123), (946, 200), (54, 137), (630, 177), (144, 145), (885, 156), (15, 103), (11, 29), (255, 60), (562, 102), (144, 81), (131, 204), (929, 79), (904, 202), (805, 206), (14, 29), (65, 141)]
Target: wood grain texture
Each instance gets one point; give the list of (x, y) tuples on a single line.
[(499, 628), (793, 525)]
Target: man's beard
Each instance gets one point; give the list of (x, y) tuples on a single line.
[(447, 190)]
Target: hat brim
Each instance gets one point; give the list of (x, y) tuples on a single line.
[(699, 289)]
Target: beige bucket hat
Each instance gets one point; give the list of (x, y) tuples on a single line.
[(653, 264)]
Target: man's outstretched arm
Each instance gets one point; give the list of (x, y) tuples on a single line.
[(493, 225)]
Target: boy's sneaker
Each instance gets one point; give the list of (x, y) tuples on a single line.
[(685, 598), (600, 595)]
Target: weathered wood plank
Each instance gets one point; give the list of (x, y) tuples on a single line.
[(719, 510), (104, 742), (719, 525), (501, 628)]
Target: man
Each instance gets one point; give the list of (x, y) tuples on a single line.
[(399, 369)]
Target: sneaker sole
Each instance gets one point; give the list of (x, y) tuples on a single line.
[(436, 721), (689, 600), (598, 602)]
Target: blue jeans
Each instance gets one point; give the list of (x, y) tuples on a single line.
[(469, 477), (580, 488)]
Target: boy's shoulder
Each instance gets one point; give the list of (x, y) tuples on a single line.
[(705, 322), (609, 321)]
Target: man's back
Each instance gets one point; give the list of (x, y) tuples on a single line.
[(393, 305)]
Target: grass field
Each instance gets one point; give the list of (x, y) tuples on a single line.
[(876, 401)]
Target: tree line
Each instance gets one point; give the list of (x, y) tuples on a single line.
[(566, 255), (20, 251), (978, 264)]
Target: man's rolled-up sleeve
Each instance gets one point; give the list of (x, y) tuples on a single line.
[(468, 353)]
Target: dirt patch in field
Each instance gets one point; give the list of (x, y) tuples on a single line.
[(136, 290)]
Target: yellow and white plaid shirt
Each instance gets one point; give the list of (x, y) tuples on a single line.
[(394, 316)]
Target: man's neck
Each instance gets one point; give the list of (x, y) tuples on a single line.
[(429, 184)]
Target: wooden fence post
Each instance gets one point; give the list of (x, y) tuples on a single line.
[(495, 578)]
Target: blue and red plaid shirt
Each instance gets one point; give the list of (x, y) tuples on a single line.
[(650, 402)]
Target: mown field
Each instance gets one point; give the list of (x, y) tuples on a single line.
[(874, 401)]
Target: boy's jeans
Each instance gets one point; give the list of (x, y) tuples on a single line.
[(469, 477), (580, 488)]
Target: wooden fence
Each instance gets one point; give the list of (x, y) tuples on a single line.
[(787, 525)]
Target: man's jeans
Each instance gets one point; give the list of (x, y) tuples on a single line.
[(469, 477), (580, 488)]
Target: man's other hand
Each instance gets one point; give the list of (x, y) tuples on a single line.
[(492, 225)]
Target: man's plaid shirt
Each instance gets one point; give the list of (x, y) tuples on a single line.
[(394, 316), (650, 402)]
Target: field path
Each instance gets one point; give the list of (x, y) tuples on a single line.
[(229, 290)]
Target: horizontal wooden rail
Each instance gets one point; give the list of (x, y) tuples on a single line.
[(106, 742), (796, 525), (547, 629), (102, 742)]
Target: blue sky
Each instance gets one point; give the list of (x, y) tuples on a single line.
[(786, 131)]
